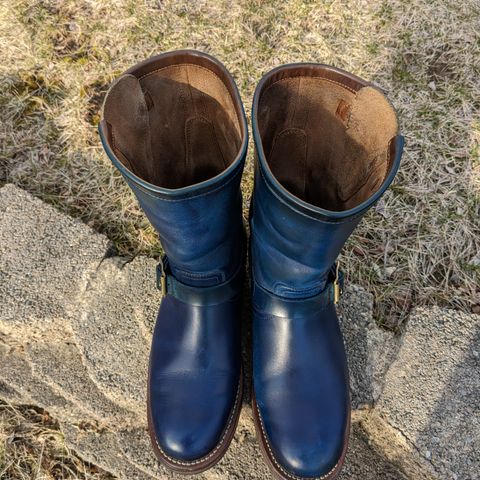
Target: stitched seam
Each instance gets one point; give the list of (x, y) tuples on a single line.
[(324, 80), (264, 291), (117, 150), (188, 134), (198, 275), (184, 92), (222, 440), (320, 79), (289, 475), (390, 160), (285, 289)]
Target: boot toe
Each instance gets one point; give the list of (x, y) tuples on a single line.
[(302, 402), (191, 434), (190, 423), (305, 459), (194, 381)]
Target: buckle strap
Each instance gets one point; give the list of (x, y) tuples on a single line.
[(337, 283), (201, 296), (267, 302)]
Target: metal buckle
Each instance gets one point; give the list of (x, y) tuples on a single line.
[(337, 289), (162, 275)]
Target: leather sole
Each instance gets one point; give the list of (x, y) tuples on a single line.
[(214, 456), (277, 470)]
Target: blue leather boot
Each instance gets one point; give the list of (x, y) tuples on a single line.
[(327, 148), (174, 126)]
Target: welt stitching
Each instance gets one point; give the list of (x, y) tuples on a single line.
[(226, 431)]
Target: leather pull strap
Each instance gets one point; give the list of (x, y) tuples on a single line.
[(200, 296)]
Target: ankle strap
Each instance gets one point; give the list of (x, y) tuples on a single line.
[(200, 296), (267, 302)]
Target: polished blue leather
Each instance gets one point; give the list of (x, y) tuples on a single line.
[(195, 362), (301, 388), (300, 371), (293, 308), (195, 356), (194, 375), (200, 226), (293, 246)]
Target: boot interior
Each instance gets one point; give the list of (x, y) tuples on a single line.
[(327, 136), (174, 121)]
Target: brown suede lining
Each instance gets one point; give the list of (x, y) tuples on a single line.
[(326, 135), (174, 120)]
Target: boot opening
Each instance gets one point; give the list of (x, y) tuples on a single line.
[(327, 136), (174, 120)]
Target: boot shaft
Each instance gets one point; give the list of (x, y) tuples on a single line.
[(174, 127), (327, 148)]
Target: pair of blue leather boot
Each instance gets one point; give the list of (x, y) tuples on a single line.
[(327, 147)]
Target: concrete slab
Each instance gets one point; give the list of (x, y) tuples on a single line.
[(370, 349), (110, 328), (432, 390), (45, 259), (60, 364)]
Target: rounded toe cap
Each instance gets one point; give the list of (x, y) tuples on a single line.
[(188, 426), (310, 446), (309, 461), (185, 444)]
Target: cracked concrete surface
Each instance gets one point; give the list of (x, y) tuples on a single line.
[(75, 328)]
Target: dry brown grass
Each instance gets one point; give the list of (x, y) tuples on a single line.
[(32, 447), (420, 245)]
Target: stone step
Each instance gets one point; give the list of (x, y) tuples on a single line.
[(101, 448), (111, 330), (390, 444), (17, 375), (363, 461), (75, 330), (52, 362), (370, 349), (60, 364), (432, 390), (46, 259), (20, 384)]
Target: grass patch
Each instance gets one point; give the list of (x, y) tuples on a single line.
[(418, 246), (32, 447)]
